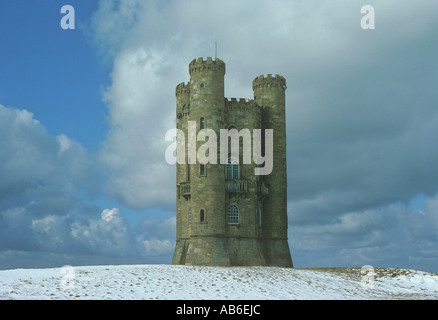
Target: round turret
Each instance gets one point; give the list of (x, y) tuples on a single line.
[(269, 93), (207, 182), (269, 90), (182, 93)]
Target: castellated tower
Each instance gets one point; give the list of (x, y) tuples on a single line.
[(226, 214)]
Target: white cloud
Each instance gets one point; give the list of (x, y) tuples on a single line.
[(111, 235), (46, 189), (346, 112), (360, 104), (110, 214), (38, 171), (134, 148), (361, 110), (64, 143)]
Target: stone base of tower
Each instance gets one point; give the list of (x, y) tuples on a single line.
[(278, 253), (246, 251), (179, 255), (201, 251), (242, 251)]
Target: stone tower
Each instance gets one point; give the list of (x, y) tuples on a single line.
[(226, 215)]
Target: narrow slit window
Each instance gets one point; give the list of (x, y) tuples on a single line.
[(260, 216), (202, 123), (202, 215)]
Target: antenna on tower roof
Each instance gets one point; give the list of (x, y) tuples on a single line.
[(215, 50)]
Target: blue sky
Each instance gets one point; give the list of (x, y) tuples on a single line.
[(84, 112), (51, 72)]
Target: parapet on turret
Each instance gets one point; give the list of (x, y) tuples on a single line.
[(209, 64), (269, 81), (182, 88)]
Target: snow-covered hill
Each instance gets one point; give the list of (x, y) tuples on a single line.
[(235, 283)]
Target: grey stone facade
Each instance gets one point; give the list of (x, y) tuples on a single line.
[(226, 215)]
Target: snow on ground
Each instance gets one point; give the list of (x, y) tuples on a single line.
[(230, 283)]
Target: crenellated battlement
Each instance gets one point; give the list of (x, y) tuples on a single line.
[(238, 102), (182, 88), (269, 81), (208, 64), (241, 106)]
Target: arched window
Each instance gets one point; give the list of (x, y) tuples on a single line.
[(233, 214), (202, 123), (232, 169), (202, 215)]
